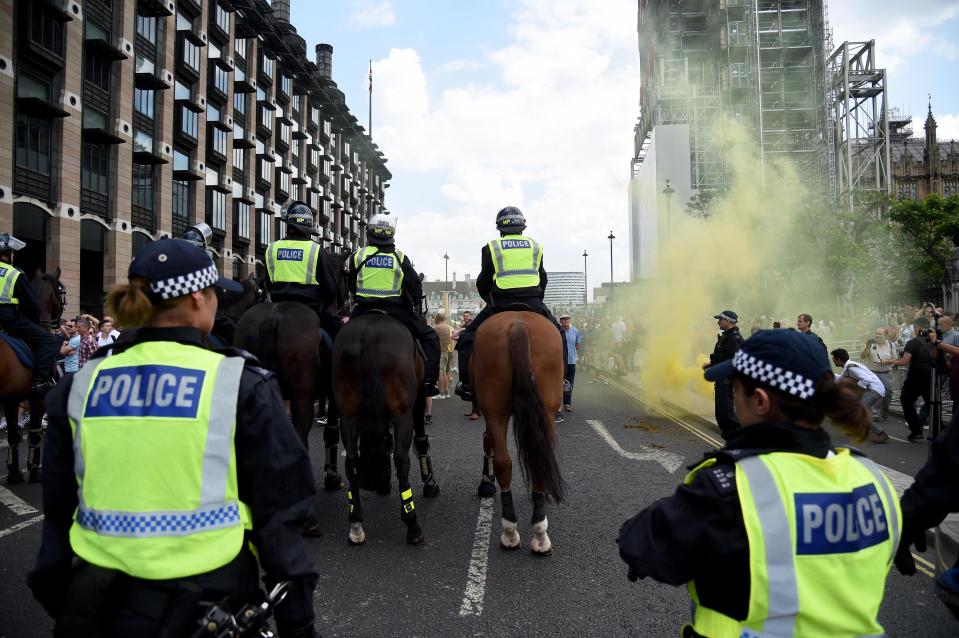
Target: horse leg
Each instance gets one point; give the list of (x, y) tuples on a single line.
[(357, 535), (331, 436), (421, 440), (11, 410), (301, 412), (541, 545), (403, 437), (487, 486), (503, 467), (35, 440)]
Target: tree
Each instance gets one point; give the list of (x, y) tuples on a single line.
[(700, 205), (932, 229)]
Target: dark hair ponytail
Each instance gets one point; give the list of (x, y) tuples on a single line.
[(837, 399)]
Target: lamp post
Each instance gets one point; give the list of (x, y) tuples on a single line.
[(668, 192), (585, 281), (446, 277), (611, 238)]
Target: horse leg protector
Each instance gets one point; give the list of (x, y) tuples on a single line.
[(33, 463), (414, 534), (431, 488), (510, 538), (332, 480), (487, 486), (541, 545)]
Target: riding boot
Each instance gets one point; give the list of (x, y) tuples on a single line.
[(463, 389)]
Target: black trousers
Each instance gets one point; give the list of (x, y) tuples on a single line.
[(535, 304), (416, 324), (571, 377), (915, 386), (40, 341), (725, 412)]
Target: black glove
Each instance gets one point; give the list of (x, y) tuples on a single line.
[(905, 563)]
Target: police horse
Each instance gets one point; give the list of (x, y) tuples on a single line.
[(517, 373), (378, 387), (16, 380)]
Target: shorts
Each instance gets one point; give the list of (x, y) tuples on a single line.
[(445, 362)]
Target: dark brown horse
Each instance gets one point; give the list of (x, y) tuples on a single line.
[(231, 308), (517, 372), (378, 386), (16, 380)]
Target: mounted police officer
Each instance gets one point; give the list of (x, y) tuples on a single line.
[(169, 470), (201, 236), (781, 533), (297, 268), (20, 312), (382, 278), (512, 273)]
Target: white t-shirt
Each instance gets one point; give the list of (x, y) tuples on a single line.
[(105, 341), (619, 330), (863, 376)]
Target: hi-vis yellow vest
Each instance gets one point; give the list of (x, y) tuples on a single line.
[(8, 279), (516, 262), (822, 536), (292, 261), (381, 275), (155, 461)]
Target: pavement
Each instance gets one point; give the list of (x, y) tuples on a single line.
[(617, 455)]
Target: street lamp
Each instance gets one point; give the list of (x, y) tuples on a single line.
[(668, 192), (446, 278), (585, 280), (611, 238)]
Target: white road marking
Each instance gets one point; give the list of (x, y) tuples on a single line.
[(15, 503), (476, 579), (670, 462), (19, 526)]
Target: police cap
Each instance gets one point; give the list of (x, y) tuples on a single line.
[(176, 268)]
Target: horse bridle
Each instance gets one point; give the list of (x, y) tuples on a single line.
[(260, 293)]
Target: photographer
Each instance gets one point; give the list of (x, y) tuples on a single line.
[(917, 356)]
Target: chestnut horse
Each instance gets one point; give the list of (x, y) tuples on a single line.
[(516, 372), (16, 380), (378, 386)]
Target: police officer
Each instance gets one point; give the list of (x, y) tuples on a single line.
[(727, 344), (781, 533), (20, 312), (512, 272), (201, 236), (297, 268), (169, 469), (381, 277)]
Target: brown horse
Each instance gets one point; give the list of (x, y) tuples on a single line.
[(516, 371), (16, 380), (378, 386)]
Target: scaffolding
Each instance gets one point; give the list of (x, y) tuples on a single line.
[(861, 121)]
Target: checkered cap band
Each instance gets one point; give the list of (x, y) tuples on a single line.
[(785, 380), (723, 315), (299, 218), (381, 229), (185, 284)]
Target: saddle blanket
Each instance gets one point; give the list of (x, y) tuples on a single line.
[(20, 348)]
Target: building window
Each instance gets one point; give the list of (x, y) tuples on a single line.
[(222, 19), (266, 171), (191, 55), (181, 160), (143, 102), (94, 178), (239, 159), (142, 214), (908, 190), (285, 134), (239, 103), (219, 141), (189, 122), (239, 45), (284, 184), (221, 79), (950, 188), (33, 156), (266, 222), (286, 85), (46, 31), (266, 66), (98, 71), (241, 219), (216, 209), (182, 202), (181, 91), (147, 28), (266, 118)]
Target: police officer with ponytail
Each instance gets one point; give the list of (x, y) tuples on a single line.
[(781, 533), (170, 471)]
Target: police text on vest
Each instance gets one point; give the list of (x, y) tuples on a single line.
[(289, 254), (146, 391), (380, 261), (515, 243), (839, 523)]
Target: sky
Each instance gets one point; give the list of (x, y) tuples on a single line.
[(481, 104)]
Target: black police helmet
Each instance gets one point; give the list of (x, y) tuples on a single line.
[(300, 216), (510, 220)]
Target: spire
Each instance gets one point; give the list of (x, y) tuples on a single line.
[(930, 120)]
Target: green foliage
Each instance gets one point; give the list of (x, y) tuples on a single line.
[(931, 227), (700, 205)]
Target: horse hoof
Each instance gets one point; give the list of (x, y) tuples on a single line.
[(486, 489), (311, 530), (431, 490), (15, 478), (333, 482), (357, 535), (36, 475), (415, 537), (510, 541), (544, 549)]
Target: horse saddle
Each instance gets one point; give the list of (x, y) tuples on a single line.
[(514, 306), (20, 348)]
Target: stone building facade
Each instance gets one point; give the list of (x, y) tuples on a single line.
[(122, 121), (922, 166)]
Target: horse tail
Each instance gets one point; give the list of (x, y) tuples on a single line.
[(535, 443), (373, 456)]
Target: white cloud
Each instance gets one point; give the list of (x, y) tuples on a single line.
[(551, 133), (947, 126), (460, 65), (369, 14)]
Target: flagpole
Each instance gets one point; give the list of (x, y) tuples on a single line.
[(370, 127)]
